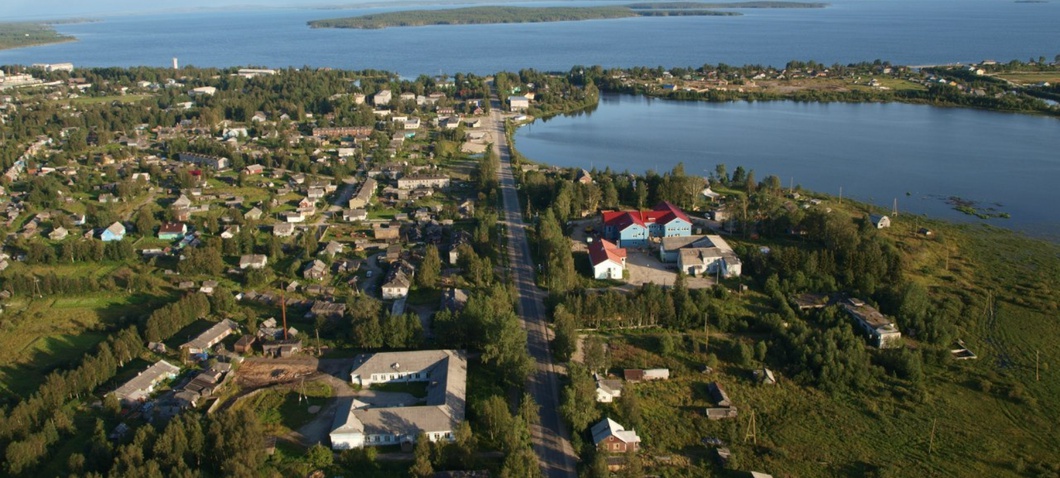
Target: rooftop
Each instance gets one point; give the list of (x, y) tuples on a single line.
[(869, 315), (608, 427), (445, 401), (603, 250), (212, 335), (146, 380)]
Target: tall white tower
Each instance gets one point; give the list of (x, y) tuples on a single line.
[(175, 67)]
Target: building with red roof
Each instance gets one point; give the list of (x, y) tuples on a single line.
[(608, 260), (634, 228)]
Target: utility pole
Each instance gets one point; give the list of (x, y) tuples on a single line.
[(840, 194), (752, 430), (931, 441), (283, 310)]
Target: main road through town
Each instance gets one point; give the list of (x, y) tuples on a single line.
[(550, 437)]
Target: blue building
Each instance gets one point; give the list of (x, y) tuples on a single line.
[(635, 228), (114, 232)]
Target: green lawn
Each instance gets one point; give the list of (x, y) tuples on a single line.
[(421, 296), (991, 416), (96, 100), (382, 213), (44, 334), (416, 389), (1031, 77), (286, 409)]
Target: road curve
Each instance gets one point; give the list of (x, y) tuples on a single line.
[(551, 438)]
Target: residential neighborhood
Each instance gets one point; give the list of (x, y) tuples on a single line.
[(311, 271)]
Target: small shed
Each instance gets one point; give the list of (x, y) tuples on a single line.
[(633, 374), (766, 376), (879, 222), (724, 454), (721, 413), (245, 344), (717, 392)]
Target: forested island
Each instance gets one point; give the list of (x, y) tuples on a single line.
[(23, 34), (496, 14)]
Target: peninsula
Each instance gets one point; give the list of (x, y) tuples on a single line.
[(496, 14), (23, 34)]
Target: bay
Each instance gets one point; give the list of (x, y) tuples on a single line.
[(919, 155), (902, 31)]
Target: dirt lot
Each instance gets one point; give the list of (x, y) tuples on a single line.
[(645, 267), (262, 372)]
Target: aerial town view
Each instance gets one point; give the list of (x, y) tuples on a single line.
[(285, 238)]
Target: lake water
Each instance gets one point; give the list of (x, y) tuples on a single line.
[(902, 31), (876, 152), (920, 155)]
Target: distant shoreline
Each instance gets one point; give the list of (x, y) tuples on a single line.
[(28, 34), (497, 15)]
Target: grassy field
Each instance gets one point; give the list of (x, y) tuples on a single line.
[(96, 100), (416, 389), (991, 416), (282, 410), (43, 334), (1031, 77)]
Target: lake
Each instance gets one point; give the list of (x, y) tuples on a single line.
[(876, 152), (920, 155), (903, 31)]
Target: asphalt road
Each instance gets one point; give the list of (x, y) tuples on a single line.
[(551, 438)]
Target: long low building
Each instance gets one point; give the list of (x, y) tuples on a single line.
[(139, 387), (358, 424), (425, 181), (211, 337), (343, 132), (881, 331), (215, 162)]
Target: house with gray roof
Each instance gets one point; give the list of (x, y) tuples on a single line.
[(139, 387), (253, 261), (211, 337), (358, 424), (608, 435), (882, 331), (708, 254), (607, 390), (283, 229)]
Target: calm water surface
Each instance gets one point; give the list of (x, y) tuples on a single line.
[(876, 152), (902, 31)]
